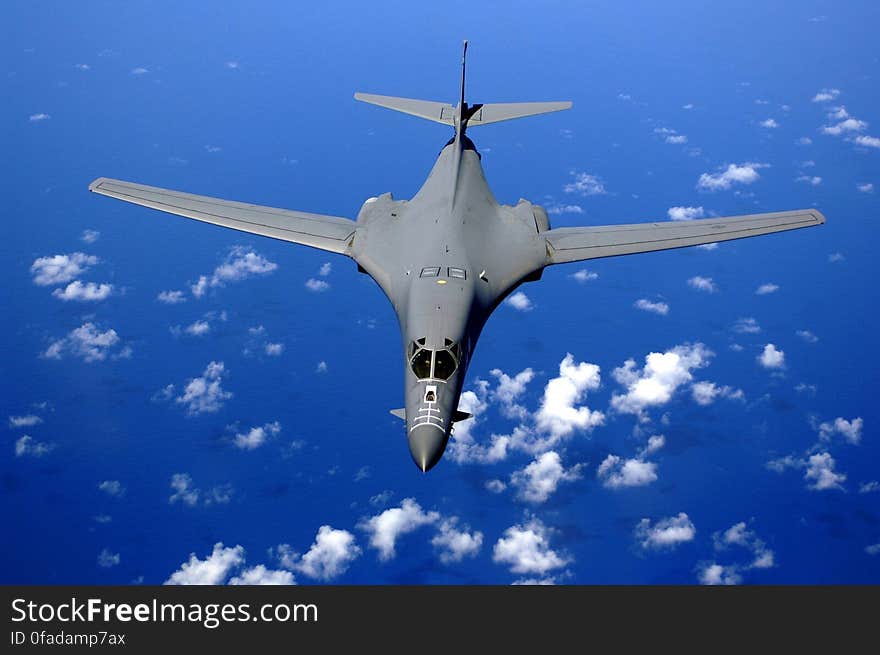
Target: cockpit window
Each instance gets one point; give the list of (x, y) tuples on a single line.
[(457, 272), (444, 364), (437, 364), (430, 271), (421, 364)]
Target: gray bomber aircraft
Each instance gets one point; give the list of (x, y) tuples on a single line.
[(448, 257)]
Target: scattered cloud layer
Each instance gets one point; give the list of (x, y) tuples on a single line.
[(58, 269), (745, 173), (525, 548), (240, 263), (666, 534)]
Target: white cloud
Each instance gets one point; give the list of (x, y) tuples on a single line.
[(520, 302), (746, 326), (804, 141), (813, 180), (454, 544), (766, 289), (26, 421), (464, 449), (384, 529), (658, 307), (821, 475), (198, 328), (27, 446), (654, 444), (58, 269), (716, 574), (540, 479), (740, 535), (585, 185), (556, 419), (845, 127), (849, 430), (274, 349), (256, 436), (325, 269), (771, 358), (525, 548), (745, 173), (705, 393), (36, 118), (708, 246), (584, 275), (676, 139), (616, 472), (107, 559), (112, 488), (140, 70), (866, 188), (868, 141), (835, 257), (509, 390), (873, 549), (558, 415), (770, 124), (90, 236), (88, 292), (807, 336), (565, 209), (869, 487), (240, 264), (685, 213), (317, 286), (187, 494), (212, 570), (171, 297), (88, 343), (495, 486), (260, 575), (205, 394), (703, 284), (667, 533), (329, 556), (658, 380), (826, 94)]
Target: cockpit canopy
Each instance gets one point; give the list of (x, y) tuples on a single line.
[(437, 364)]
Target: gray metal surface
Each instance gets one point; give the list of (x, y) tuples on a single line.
[(324, 232), (569, 244), (447, 257)]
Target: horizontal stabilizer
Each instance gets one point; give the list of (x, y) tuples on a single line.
[(438, 112), (399, 413), (505, 111)]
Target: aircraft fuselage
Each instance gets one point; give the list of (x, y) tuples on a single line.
[(445, 259)]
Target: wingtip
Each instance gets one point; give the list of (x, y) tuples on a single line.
[(96, 183), (819, 216)]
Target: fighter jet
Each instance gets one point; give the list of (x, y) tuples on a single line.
[(447, 257)]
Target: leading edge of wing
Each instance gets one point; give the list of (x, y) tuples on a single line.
[(569, 244), (330, 233)]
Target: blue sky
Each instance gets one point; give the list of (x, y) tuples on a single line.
[(704, 415)]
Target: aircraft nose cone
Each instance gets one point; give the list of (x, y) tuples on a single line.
[(426, 445)]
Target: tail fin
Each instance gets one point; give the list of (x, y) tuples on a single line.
[(463, 114)]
